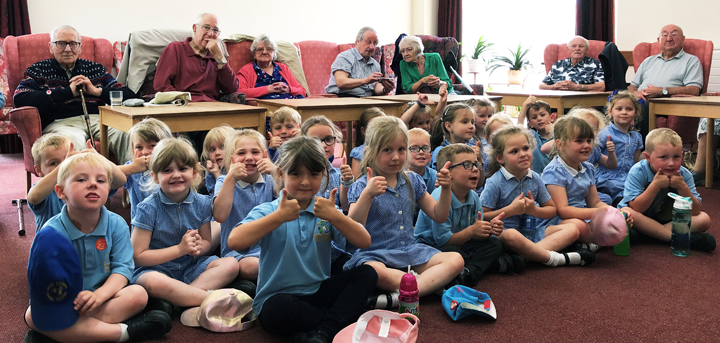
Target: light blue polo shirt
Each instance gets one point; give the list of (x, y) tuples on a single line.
[(295, 257), (107, 250), (461, 216), (357, 67), (680, 71), (46, 209), (641, 176), (577, 183), (503, 187)]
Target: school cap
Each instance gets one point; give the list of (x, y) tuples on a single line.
[(460, 302), (223, 310)]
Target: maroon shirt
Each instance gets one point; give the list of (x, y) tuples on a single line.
[(181, 69)]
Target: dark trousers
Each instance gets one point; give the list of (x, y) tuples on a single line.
[(478, 255), (339, 302)]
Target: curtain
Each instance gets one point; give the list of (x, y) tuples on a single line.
[(450, 22), (595, 20), (14, 18)]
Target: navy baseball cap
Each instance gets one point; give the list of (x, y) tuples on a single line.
[(55, 279)]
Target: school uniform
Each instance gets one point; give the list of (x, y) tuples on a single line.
[(245, 197), (294, 276), (139, 186), (640, 177), (471, 143), (358, 152), (168, 221), (540, 160), (210, 181), (46, 209), (503, 187), (478, 255), (105, 251), (390, 224), (594, 159), (577, 183), (612, 181)]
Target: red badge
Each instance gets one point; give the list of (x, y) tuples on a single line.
[(101, 244)]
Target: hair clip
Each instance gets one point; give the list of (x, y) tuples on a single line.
[(611, 95), (446, 111)]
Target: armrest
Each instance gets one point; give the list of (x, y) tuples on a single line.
[(233, 98), (27, 121)]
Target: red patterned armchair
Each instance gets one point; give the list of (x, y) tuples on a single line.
[(686, 127), (557, 52), (6, 127), (20, 53)]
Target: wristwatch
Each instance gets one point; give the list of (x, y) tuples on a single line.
[(664, 92)]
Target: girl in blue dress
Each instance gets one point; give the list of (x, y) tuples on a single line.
[(457, 125), (597, 158), (356, 155), (214, 154), (296, 293), (384, 200)]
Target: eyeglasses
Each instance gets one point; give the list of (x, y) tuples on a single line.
[(329, 140), (63, 44), (369, 42), (270, 50), (215, 30), (581, 46), (467, 165), (416, 149), (402, 51)]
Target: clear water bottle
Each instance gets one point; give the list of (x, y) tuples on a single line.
[(681, 215), (409, 295)]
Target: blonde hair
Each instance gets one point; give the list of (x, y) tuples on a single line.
[(499, 117), (497, 144), (624, 95), (418, 132), (148, 130), (448, 152), (301, 151), (284, 113), (440, 133), (481, 102), (661, 136), (178, 150), (217, 134), (320, 120), (569, 128), (45, 141), (232, 140), (415, 117), (91, 158), (582, 112), (365, 118)]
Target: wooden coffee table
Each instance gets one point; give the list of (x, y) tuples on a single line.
[(557, 99), (335, 109), (404, 99), (696, 106), (196, 116)]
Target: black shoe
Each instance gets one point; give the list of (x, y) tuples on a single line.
[(518, 263), (587, 257), (313, 336), (157, 304), (504, 264), (383, 301), (636, 237), (702, 242), (246, 286), (463, 279), (149, 325), (33, 336)]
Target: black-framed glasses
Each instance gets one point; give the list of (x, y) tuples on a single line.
[(63, 44), (207, 27), (467, 165), (329, 140), (416, 149), (268, 49)]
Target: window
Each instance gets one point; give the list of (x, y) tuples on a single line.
[(533, 23)]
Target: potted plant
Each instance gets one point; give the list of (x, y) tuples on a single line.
[(516, 61), (481, 46)]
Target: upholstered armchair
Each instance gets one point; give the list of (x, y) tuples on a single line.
[(686, 127)]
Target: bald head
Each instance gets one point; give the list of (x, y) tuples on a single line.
[(671, 40)]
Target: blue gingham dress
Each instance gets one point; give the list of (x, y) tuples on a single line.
[(390, 224)]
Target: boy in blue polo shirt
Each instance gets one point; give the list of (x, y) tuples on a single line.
[(648, 183), (102, 241), (464, 231), (48, 152)]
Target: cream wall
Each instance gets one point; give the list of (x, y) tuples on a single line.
[(336, 21)]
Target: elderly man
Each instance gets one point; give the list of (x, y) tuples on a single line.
[(53, 87), (578, 72), (672, 72), (197, 64), (355, 72)]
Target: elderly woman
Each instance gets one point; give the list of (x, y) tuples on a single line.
[(421, 72), (266, 79), (577, 72)]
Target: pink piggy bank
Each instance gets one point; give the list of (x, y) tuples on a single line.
[(608, 227)]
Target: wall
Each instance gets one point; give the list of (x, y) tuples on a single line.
[(290, 20)]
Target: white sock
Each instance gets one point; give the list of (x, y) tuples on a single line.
[(558, 259), (124, 335), (395, 298), (381, 301)]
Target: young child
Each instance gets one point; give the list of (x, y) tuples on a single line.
[(243, 188), (417, 115), (384, 200), (464, 231), (623, 111), (171, 229), (457, 125), (284, 124), (513, 193), (495, 122), (101, 240), (214, 155), (540, 119), (296, 293), (48, 152), (648, 184), (356, 155), (419, 161), (144, 136), (484, 109)]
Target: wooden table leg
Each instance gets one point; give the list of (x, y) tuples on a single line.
[(651, 116), (498, 106), (709, 153), (104, 146), (349, 143), (561, 108)]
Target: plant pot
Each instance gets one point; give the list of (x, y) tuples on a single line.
[(473, 65), (514, 77)]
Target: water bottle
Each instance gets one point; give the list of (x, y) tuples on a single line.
[(681, 215), (623, 248), (409, 295)]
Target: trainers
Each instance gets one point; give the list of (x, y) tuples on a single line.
[(246, 286), (33, 336), (148, 325), (518, 263), (157, 304), (702, 242), (587, 257)]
